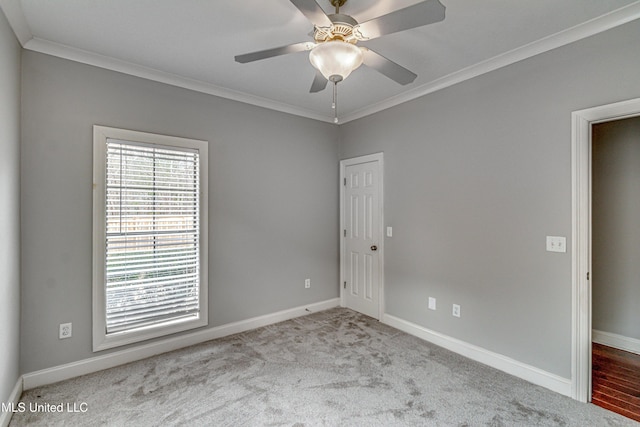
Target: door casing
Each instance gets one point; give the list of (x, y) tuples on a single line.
[(376, 157), (582, 122)]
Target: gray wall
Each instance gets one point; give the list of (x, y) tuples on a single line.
[(476, 175), (10, 211), (616, 227), (273, 199)]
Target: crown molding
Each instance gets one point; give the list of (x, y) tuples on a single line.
[(597, 25), (13, 11), (85, 57)]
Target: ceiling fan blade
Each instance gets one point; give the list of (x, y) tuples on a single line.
[(276, 51), (313, 12), (423, 13), (319, 83), (387, 67)]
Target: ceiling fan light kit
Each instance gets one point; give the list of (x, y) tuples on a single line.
[(336, 59), (334, 52)]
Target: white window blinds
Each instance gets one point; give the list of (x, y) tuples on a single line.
[(152, 255)]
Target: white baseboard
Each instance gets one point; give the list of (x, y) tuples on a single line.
[(99, 363), (521, 370), (616, 341), (12, 401)]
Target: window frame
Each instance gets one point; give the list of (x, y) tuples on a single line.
[(102, 340)]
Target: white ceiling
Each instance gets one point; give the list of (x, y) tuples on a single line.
[(192, 43)]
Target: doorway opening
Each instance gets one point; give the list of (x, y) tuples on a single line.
[(581, 161), (615, 244)]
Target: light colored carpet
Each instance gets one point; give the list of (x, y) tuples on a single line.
[(332, 368)]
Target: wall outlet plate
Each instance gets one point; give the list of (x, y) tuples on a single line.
[(65, 331), (432, 303), (556, 244), (307, 283), (456, 310)]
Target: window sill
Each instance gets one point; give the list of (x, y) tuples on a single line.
[(102, 341)]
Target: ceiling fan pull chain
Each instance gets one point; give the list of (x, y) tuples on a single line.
[(334, 105)]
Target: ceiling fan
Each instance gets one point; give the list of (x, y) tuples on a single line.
[(333, 51)]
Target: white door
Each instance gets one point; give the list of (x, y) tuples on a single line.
[(362, 235)]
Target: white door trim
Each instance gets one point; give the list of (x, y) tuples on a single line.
[(377, 157), (581, 236)]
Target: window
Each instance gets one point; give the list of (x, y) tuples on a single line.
[(150, 236)]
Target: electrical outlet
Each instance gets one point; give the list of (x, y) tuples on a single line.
[(432, 303), (456, 310), (307, 283), (65, 331)]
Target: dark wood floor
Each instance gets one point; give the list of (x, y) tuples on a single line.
[(616, 381)]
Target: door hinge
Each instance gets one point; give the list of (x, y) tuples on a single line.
[(344, 285), (587, 275), (345, 233), (345, 182)]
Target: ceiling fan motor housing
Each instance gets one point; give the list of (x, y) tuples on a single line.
[(342, 28), (340, 39)]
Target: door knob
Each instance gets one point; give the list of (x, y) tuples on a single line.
[(374, 248)]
